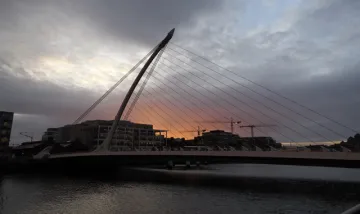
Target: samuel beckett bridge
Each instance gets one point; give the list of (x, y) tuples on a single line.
[(192, 87)]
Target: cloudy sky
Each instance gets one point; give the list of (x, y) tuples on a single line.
[(58, 56)]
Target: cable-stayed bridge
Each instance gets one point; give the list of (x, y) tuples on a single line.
[(179, 87)]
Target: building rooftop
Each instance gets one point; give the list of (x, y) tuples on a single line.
[(111, 121), (29, 145), (9, 112)]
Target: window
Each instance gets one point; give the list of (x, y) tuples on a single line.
[(6, 124)]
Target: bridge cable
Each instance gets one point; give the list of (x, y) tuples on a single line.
[(153, 110), (144, 84), (174, 83), (161, 109), (142, 88), (112, 88), (247, 97), (142, 110), (267, 89), (180, 95), (190, 95), (246, 112), (223, 99), (173, 104), (194, 89), (287, 137), (259, 102), (158, 114)]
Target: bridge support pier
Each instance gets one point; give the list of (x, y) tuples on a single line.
[(170, 165), (187, 164), (198, 164)]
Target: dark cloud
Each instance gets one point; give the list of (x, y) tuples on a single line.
[(138, 21), (332, 95), (26, 96), (143, 21), (39, 104), (310, 57), (56, 29)]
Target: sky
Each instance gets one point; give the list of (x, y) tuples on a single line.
[(58, 56)]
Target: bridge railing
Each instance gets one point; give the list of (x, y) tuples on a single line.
[(353, 210), (256, 154)]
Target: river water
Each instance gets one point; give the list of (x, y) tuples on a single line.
[(144, 192)]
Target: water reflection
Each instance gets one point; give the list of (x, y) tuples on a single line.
[(65, 194), (285, 171)]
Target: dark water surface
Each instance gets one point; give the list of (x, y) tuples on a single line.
[(72, 194)]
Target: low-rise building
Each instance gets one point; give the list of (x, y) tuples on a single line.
[(50, 135), (128, 134), (216, 137), (28, 149), (319, 148), (264, 143)]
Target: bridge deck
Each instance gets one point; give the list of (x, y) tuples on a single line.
[(268, 154)]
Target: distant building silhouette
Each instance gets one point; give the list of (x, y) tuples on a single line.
[(352, 143), (264, 143), (6, 120), (50, 135), (28, 149), (93, 133), (217, 137)]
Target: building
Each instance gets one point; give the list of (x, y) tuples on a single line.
[(128, 134), (28, 149), (318, 148), (264, 143), (50, 135), (217, 137), (6, 121)]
